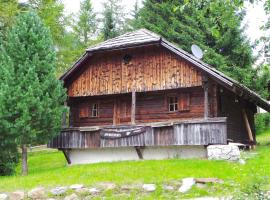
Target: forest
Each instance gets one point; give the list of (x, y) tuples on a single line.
[(53, 41)]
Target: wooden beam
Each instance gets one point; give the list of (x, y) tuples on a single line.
[(64, 117), (250, 135), (133, 108), (206, 100), (139, 153), (115, 111), (66, 154)]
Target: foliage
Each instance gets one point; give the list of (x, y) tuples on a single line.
[(112, 20), (213, 25), (8, 147), (262, 122), (8, 9), (87, 24), (36, 96)]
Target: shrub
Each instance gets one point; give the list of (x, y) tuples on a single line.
[(262, 122)]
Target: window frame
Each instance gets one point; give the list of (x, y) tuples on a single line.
[(94, 108), (174, 103)]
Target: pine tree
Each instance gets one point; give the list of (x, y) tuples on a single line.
[(36, 96), (87, 24), (113, 19), (8, 146), (213, 25)]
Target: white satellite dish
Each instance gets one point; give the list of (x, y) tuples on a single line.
[(196, 51)]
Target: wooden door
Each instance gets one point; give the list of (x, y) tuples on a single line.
[(122, 110)]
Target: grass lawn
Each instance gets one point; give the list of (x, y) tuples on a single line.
[(48, 168)]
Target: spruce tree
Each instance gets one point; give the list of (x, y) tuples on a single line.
[(87, 23), (113, 19), (36, 96), (8, 146), (213, 25)]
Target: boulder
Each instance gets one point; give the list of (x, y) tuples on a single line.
[(58, 191), (3, 196), (187, 184), (76, 186), (223, 152), (149, 187), (72, 197), (94, 191), (107, 185), (208, 180), (168, 187), (17, 195), (37, 193)]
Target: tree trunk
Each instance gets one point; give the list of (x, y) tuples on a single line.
[(24, 160)]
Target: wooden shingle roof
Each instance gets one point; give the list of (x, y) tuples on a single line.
[(143, 37)]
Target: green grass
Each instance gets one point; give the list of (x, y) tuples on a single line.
[(49, 169)]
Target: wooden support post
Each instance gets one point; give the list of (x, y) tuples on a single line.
[(133, 108), (139, 153), (64, 117), (115, 111), (66, 154), (205, 87), (250, 135)]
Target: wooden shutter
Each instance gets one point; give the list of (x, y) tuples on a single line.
[(84, 112), (184, 102)]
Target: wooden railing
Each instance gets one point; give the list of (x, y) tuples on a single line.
[(189, 132)]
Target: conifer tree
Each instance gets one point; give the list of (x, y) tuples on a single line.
[(213, 25), (113, 19), (87, 24), (36, 96)]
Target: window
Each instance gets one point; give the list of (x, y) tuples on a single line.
[(173, 104), (94, 110), (180, 102)]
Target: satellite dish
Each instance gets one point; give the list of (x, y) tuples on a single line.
[(196, 51)]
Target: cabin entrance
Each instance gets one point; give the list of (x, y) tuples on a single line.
[(122, 110)]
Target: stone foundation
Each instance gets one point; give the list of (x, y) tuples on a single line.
[(83, 156)]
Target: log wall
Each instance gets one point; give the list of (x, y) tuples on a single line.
[(150, 69), (150, 107)]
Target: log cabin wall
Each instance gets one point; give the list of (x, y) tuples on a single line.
[(143, 69), (150, 107), (231, 107)]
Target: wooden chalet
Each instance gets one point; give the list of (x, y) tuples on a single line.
[(138, 96)]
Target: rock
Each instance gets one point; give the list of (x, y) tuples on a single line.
[(107, 185), (242, 162), (76, 186), (72, 197), (187, 184), (94, 191), (37, 193), (51, 199), (223, 152), (149, 187), (200, 185), (3, 196), (58, 191), (208, 180), (82, 191), (168, 187), (17, 195)]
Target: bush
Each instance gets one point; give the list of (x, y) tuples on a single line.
[(8, 162), (262, 122)]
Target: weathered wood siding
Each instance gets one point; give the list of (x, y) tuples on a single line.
[(150, 107), (231, 106), (196, 132), (150, 69)]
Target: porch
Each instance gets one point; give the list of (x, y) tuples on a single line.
[(201, 131)]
